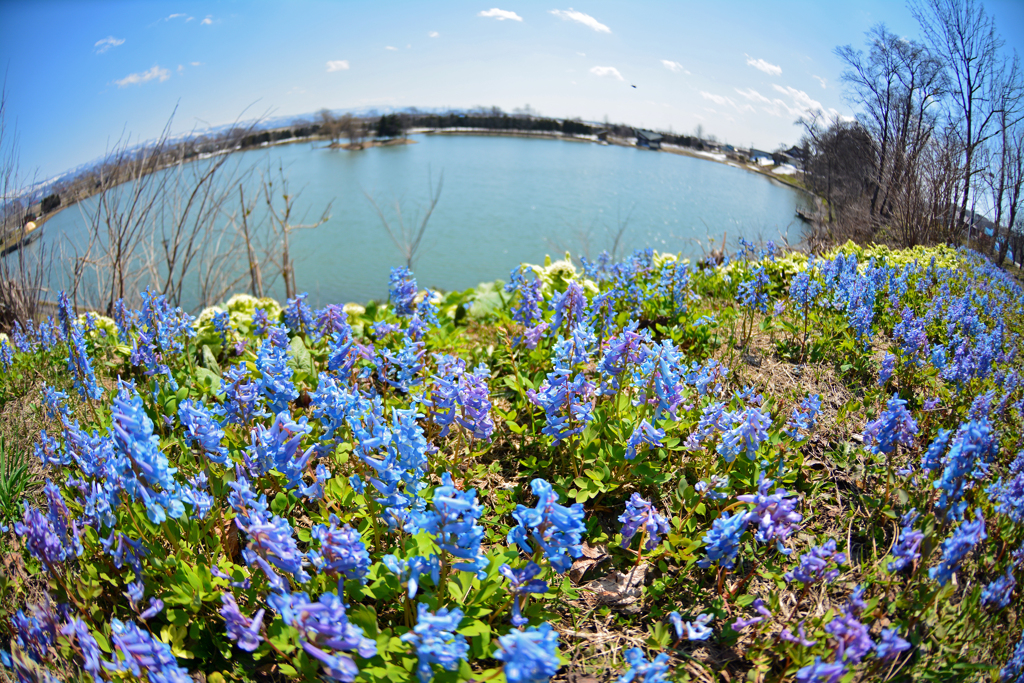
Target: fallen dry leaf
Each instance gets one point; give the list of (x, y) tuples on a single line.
[(592, 556), (619, 591)]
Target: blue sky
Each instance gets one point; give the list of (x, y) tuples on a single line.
[(79, 75)]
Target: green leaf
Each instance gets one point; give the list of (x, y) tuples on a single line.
[(299, 358), (208, 380), (209, 360)]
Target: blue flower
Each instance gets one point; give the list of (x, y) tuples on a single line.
[(956, 547), (640, 512), (402, 291), (643, 435), (527, 311), (973, 448), (436, 641), (698, 629), (890, 645), (453, 520), (78, 360), (1013, 672), (522, 582), (201, 428), (77, 630), (749, 430), (141, 653), (803, 417), (530, 656), (723, 540), (325, 632), (853, 641), (906, 550), (821, 672), (298, 316), (240, 628), (888, 366), (642, 670), (775, 513), (51, 538), (272, 546), (409, 570), (557, 530), (895, 426), (814, 564), (275, 374), (341, 550)]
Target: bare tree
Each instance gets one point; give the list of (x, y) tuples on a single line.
[(964, 37), (281, 207), (409, 238), (330, 126), (840, 167), (352, 128), (1007, 185), (22, 271), (899, 85)]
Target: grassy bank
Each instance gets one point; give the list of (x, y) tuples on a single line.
[(770, 470)]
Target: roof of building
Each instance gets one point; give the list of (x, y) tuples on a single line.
[(648, 135)]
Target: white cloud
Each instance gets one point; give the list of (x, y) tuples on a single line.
[(673, 66), (717, 99), (433, 34), (752, 94), (196, 63), (761, 65), (107, 43), (609, 71), (500, 14), (156, 73), (390, 47), (585, 19), (175, 16), (824, 82), (337, 65), (207, 21), (181, 69), (582, 54), (804, 104), (722, 100)]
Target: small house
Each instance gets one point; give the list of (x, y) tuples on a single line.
[(647, 139), (760, 158)]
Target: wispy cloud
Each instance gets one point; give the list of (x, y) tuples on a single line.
[(823, 81), (717, 99), (500, 14), (155, 74), (609, 71), (207, 21), (176, 15), (390, 47), (196, 63), (107, 43), (579, 17), (761, 65), (673, 66), (804, 104), (753, 95), (582, 54), (337, 65), (722, 100), (433, 34)]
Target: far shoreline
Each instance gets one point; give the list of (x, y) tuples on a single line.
[(484, 132)]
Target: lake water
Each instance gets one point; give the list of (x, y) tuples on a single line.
[(505, 200)]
